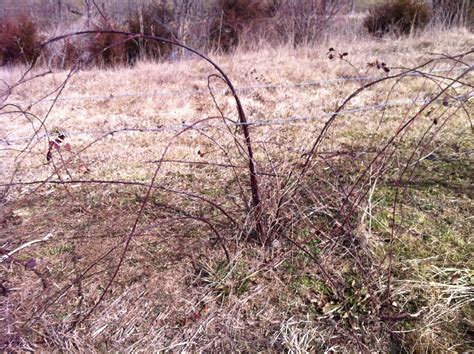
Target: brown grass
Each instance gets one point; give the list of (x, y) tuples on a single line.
[(175, 289)]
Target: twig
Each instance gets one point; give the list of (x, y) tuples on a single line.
[(29, 243)]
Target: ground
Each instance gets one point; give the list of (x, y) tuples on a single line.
[(371, 249)]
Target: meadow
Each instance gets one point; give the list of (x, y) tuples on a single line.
[(130, 220)]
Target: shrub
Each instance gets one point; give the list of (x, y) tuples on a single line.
[(154, 20), (70, 53), (106, 49), (19, 40), (401, 16), (232, 17)]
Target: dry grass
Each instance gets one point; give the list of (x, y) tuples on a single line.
[(175, 289)]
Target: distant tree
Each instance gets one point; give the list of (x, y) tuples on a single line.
[(303, 21), (452, 12), (155, 19), (232, 17)]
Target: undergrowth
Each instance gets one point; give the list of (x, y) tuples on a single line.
[(347, 234)]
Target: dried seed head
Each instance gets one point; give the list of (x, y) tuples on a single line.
[(446, 101)]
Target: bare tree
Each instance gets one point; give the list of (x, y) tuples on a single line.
[(451, 12), (87, 4), (303, 21), (181, 11)]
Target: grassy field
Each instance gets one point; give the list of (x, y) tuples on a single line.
[(370, 249)]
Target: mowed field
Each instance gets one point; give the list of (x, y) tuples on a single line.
[(140, 233)]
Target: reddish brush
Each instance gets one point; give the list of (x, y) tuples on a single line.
[(19, 39), (108, 49), (232, 17)]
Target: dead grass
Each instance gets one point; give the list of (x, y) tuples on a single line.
[(175, 289)]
